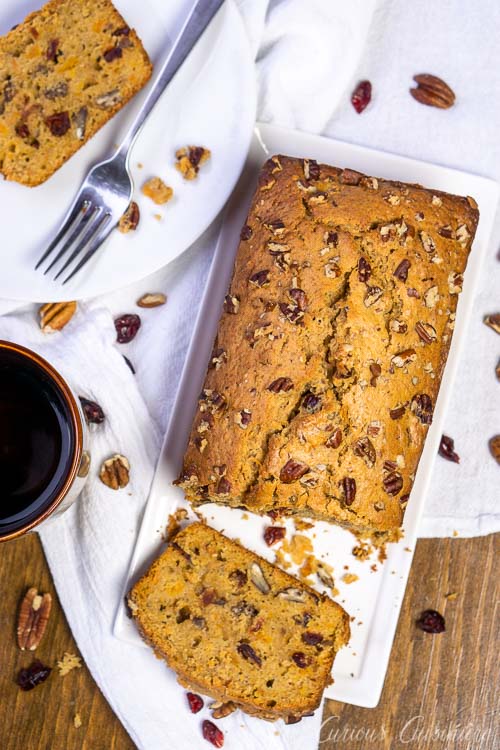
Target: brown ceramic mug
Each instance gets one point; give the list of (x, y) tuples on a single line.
[(44, 456)]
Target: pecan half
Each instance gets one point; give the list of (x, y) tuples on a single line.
[(432, 91), (33, 617), (292, 471), (393, 483), (349, 487), (115, 472), (55, 315), (426, 332)]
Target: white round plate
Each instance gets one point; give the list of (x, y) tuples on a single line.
[(211, 102)]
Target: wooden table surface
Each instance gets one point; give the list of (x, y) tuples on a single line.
[(440, 691)]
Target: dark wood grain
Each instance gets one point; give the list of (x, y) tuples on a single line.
[(445, 683)]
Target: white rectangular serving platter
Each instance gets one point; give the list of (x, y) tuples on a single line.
[(374, 600)]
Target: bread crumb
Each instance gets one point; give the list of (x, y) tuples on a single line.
[(297, 548), (77, 721), (158, 217), (362, 551), (455, 532), (156, 189), (190, 159), (281, 561), (68, 663), (302, 525), (451, 596), (350, 577), (174, 523), (245, 516)]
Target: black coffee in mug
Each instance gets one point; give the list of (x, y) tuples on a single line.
[(37, 440)]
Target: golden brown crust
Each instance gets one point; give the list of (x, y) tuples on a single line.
[(65, 71), (330, 351), (237, 628)]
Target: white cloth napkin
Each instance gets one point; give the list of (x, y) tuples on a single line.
[(308, 59)]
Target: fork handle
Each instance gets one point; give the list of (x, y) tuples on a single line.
[(197, 21)]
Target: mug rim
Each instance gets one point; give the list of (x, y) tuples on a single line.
[(76, 421)]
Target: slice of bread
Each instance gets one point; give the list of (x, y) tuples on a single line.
[(237, 628), (64, 72)]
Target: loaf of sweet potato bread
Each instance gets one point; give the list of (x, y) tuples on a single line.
[(331, 346), (64, 72), (236, 628)]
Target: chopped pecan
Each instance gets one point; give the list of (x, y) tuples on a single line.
[(221, 710), (280, 385), (260, 278), (363, 447), (80, 122), (246, 232), (494, 445), (401, 271), (334, 439), (130, 219), (113, 53), (258, 579), (404, 358), (151, 299), (231, 304), (421, 406), (364, 270), (397, 412), (376, 371), (33, 618), (373, 293)]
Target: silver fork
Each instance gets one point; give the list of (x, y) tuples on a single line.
[(106, 191)]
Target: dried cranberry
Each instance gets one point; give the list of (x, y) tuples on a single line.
[(212, 733), (239, 577), (248, 653), (22, 130), (311, 403), (53, 50), (361, 96), (113, 53), (300, 659), (127, 327), (447, 449), (93, 412), (122, 31), (431, 622), (58, 123), (31, 676), (274, 534), (246, 232), (312, 639), (195, 702)]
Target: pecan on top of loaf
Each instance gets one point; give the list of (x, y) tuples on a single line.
[(64, 72), (330, 364)]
